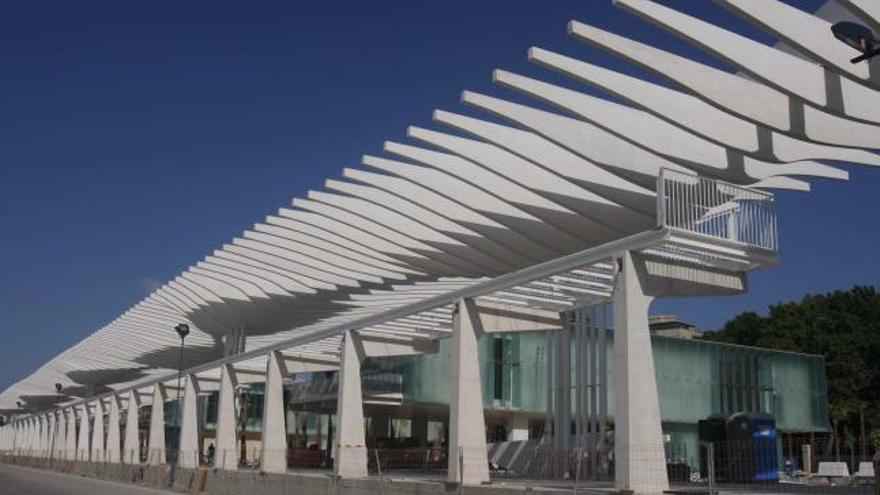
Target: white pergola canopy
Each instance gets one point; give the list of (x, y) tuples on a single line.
[(469, 201)]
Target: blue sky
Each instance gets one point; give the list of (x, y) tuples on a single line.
[(136, 137)]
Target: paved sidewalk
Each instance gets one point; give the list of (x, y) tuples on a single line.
[(23, 481)]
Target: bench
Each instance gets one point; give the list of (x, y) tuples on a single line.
[(832, 470), (866, 470)]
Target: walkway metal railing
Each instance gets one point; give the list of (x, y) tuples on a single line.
[(717, 209)]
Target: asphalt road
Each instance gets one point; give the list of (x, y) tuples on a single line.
[(22, 481)]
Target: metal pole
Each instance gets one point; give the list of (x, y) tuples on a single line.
[(179, 375), (710, 454), (178, 409), (381, 477)]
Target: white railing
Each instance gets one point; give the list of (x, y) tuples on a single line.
[(716, 209)]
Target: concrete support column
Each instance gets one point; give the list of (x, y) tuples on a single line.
[(43, 450), (35, 436), (98, 448), (226, 454), (82, 453), (60, 438), (156, 445), (640, 463), (31, 436), (50, 435), (132, 445), (188, 456), (70, 441), (36, 432), (274, 440), (468, 456), (51, 425), (351, 449), (114, 451), (45, 426)]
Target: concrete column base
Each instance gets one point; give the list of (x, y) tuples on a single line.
[(82, 447), (188, 457), (274, 437), (640, 461), (132, 442), (350, 444), (226, 456), (468, 455), (156, 452)]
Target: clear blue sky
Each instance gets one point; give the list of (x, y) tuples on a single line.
[(135, 137)]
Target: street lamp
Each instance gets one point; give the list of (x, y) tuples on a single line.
[(182, 330), (859, 37)]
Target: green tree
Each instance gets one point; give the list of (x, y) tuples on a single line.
[(842, 326)]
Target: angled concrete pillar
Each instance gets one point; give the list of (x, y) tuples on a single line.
[(156, 446), (274, 440), (114, 452), (60, 435), (35, 436), (226, 453), (51, 437), (640, 463), (98, 448), (132, 445), (467, 425), (31, 435), (44, 436), (70, 441), (189, 425), (51, 425), (351, 449), (82, 445)]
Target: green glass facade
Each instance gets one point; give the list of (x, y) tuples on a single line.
[(695, 379)]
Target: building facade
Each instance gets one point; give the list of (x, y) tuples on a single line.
[(406, 405)]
